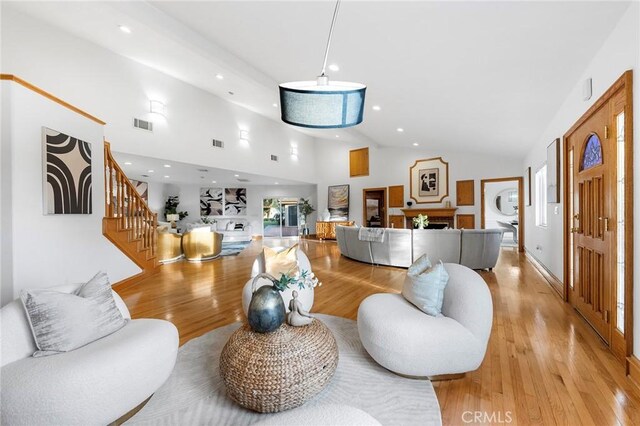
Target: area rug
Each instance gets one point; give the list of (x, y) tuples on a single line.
[(195, 394), (232, 248)]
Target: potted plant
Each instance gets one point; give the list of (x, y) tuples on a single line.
[(421, 221), (171, 207), (305, 210)]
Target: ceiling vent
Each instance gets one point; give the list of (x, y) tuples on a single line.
[(274, 157), (143, 124), (145, 176), (203, 170), (218, 144), (243, 180)]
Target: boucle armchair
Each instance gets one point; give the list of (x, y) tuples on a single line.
[(405, 340), (92, 385)]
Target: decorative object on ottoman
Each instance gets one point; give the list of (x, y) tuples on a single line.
[(421, 221), (409, 342), (297, 316), (278, 371), (266, 310), (305, 293)]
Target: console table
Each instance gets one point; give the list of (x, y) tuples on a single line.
[(327, 230), (436, 215)]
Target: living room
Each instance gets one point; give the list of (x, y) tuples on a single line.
[(474, 126)]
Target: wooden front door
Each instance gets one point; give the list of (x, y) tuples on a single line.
[(592, 163)]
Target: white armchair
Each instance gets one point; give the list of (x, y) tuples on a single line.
[(405, 340), (95, 384)]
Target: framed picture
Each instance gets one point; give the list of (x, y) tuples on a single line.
[(142, 188), (553, 172), (429, 180), (66, 174), (235, 201), (210, 202), (527, 187), (338, 201)]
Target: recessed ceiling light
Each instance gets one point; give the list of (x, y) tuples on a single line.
[(167, 165), (400, 129), (415, 144), (166, 176), (150, 171), (337, 136), (237, 175), (125, 29), (276, 183), (213, 181), (376, 108), (127, 163), (334, 67), (275, 105), (220, 76)]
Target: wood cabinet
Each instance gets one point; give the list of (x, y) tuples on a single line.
[(465, 193), (359, 162), (396, 221), (466, 221), (396, 196), (327, 230)]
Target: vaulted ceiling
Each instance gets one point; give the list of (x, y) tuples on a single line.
[(474, 76)]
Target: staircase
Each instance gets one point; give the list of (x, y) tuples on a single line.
[(128, 223)]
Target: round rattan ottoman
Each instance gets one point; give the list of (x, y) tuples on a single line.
[(272, 372)]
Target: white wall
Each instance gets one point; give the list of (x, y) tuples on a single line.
[(390, 166), (117, 89), (49, 250), (619, 53), (492, 215), (190, 201)]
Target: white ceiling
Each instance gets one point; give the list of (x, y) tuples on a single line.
[(182, 173), (472, 76)]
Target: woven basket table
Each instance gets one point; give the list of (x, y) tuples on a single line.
[(272, 372)]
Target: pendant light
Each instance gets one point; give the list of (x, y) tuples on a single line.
[(322, 104)]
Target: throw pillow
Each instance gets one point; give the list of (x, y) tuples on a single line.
[(424, 285), (62, 322), (239, 226), (230, 225), (281, 262)]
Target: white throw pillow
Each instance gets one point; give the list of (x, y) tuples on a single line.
[(230, 225), (424, 285), (61, 322)]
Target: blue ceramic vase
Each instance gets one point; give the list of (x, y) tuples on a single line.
[(266, 309)]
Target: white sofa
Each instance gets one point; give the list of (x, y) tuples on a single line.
[(477, 248), (92, 385), (405, 340)]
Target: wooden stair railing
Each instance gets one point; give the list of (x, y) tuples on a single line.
[(128, 223)]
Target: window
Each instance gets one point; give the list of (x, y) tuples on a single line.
[(541, 196)]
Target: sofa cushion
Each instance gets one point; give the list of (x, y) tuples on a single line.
[(424, 285), (62, 322), (281, 262)]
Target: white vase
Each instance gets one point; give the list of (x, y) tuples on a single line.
[(326, 215)]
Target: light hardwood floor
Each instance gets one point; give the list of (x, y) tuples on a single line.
[(544, 365)]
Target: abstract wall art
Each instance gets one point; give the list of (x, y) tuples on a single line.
[(210, 201), (235, 201), (67, 174), (429, 180), (338, 202), (142, 188)]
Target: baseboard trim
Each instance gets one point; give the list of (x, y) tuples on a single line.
[(633, 370), (553, 281), (133, 280)]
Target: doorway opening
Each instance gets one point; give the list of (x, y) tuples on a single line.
[(280, 217), (598, 221), (502, 208), (374, 207)]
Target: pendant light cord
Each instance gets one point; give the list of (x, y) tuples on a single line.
[(333, 23)]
